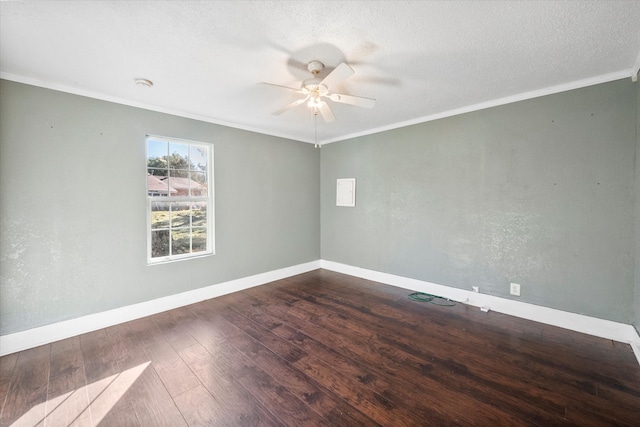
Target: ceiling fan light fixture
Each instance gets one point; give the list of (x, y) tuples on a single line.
[(314, 101), (315, 89)]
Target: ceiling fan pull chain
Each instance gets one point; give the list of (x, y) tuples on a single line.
[(315, 126)]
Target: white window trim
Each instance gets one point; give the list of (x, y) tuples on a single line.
[(210, 199)]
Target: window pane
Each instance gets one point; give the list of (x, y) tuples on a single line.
[(179, 157), (158, 172), (199, 239), (199, 158), (159, 243), (179, 182), (180, 215), (178, 173), (157, 149), (199, 214), (198, 183), (180, 241), (157, 186), (157, 157), (159, 215)]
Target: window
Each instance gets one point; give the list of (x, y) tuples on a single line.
[(179, 199)]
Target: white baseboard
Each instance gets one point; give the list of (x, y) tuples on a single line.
[(635, 346), (576, 322), (57, 331)]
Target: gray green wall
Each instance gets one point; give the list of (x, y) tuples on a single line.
[(72, 206), (637, 215), (539, 192)]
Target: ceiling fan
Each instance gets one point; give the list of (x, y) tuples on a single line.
[(315, 90)]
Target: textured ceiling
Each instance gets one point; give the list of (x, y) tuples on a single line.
[(419, 60)]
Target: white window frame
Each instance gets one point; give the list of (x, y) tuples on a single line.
[(208, 198)]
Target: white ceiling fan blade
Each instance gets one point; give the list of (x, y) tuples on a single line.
[(326, 112), (282, 87), (358, 101), (289, 106), (340, 73)]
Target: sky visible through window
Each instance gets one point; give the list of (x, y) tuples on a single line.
[(157, 148), (197, 157)]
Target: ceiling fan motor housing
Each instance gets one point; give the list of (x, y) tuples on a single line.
[(313, 86), (315, 67)]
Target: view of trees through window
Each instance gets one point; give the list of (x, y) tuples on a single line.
[(178, 198)]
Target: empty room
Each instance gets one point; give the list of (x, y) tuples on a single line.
[(319, 213)]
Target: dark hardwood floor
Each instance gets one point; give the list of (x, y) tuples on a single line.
[(323, 349)]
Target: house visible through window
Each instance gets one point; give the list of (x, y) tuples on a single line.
[(179, 199)]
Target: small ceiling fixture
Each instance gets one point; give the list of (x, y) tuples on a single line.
[(144, 83)]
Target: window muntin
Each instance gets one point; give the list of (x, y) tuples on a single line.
[(179, 199)]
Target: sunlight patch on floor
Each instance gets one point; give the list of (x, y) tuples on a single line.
[(75, 409)]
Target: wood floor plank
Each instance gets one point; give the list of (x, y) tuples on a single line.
[(577, 352), (367, 347), (174, 373), (127, 344), (210, 311), (67, 398), (147, 394), (464, 370), (109, 405), (323, 348), (374, 404), (233, 402), (7, 366), (336, 411), (152, 403), (383, 297), (171, 324), (201, 409), (290, 410), (491, 374), (397, 393), (389, 334), (514, 347), (107, 410), (27, 395), (202, 325)]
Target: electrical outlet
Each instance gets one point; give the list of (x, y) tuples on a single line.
[(515, 289), (476, 289)]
